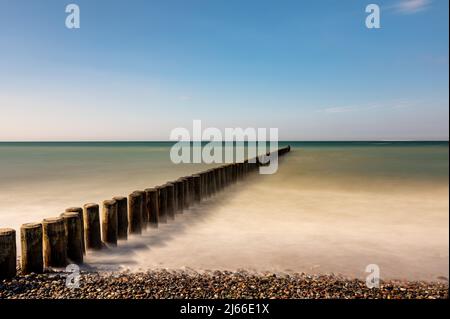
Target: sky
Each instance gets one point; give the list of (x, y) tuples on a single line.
[(137, 69)]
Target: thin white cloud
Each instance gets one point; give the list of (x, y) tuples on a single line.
[(184, 98), (393, 104), (410, 6), (339, 109)]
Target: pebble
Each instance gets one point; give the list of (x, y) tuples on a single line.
[(182, 284)]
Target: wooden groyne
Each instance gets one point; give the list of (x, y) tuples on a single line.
[(63, 240)]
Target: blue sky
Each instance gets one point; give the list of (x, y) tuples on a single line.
[(137, 69)]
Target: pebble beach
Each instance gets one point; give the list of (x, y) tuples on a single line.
[(164, 284)]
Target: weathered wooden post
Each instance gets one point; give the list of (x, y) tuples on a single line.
[(170, 191), (54, 242), (197, 188), (72, 226), (190, 180), (31, 244), (212, 182), (8, 253), (162, 192), (109, 222), (122, 217), (175, 195), (218, 181), (134, 213), (179, 185), (153, 206), (145, 217), (144, 212), (92, 235), (202, 185), (222, 176), (204, 178), (186, 192), (79, 211)]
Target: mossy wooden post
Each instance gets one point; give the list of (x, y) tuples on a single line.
[(197, 188), (109, 222), (8, 253), (79, 211), (31, 244), (92, 234), (162, 196), (152, 206), (72, 226), (54, 242), (170, 190), (134, 213), (122, 217)]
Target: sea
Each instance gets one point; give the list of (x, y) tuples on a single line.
[(331, 207)]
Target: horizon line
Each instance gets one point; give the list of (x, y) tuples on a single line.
[(203, 141)]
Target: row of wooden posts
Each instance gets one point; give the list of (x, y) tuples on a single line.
[(58, 241)]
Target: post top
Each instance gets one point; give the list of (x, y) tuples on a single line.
[(109, 202), (89, 205), (70, 215), (31, 225), (74, 209), (7, 231), (52, 220), (119, 198)]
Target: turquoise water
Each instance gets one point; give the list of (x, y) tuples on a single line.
[(331, 207)]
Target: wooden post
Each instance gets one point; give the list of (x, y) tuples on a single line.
[(170, 190), (185, 192), (222, 176), (79, 211), (134, 213), (31, 244), (109, 222), (175, 195), (212, 181), (197, 188), (233, 172), (91, 218), (202, 185), (54, 242), (179, 184), (190, 180), (144, 212), (217, 178), (162, 196), (72, 226), (153, 206), (8, 253), (122, 217)]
